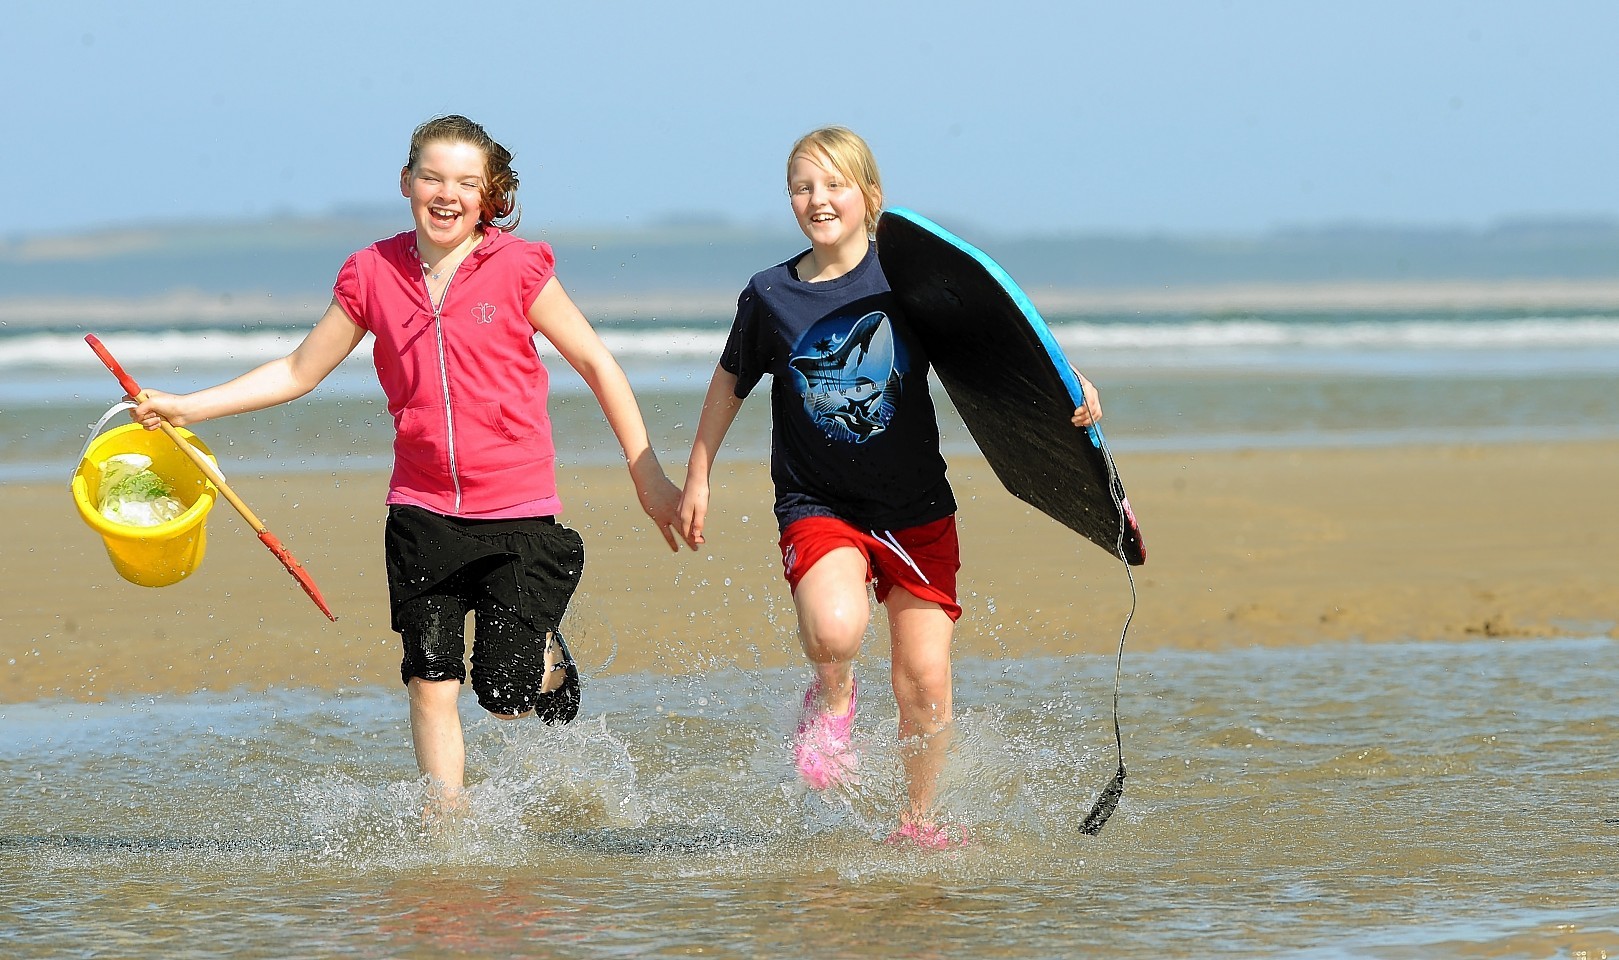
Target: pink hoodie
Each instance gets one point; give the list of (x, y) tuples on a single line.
[(472, 435)]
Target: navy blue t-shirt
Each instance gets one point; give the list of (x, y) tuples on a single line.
[(854, 433)]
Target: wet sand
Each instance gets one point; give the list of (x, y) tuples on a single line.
[(1264, 547)]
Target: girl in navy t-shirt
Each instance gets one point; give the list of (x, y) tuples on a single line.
[(861, 494)]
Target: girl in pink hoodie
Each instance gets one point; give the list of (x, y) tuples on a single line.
[(454, 305)]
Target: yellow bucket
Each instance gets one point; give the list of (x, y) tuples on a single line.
[(168, 552)]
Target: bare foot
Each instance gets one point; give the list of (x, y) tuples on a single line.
[(444, 809)]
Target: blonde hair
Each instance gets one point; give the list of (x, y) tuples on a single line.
[(848, 155)]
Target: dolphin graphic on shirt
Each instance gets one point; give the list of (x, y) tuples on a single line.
[(850, 381)]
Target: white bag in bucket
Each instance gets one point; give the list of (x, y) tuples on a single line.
[(133, 495)]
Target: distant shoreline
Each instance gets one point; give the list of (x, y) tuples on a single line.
[(196, 309)]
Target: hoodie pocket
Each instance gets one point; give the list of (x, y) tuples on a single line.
[(419, 437), (488, 441)]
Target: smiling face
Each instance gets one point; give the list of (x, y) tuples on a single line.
[(446, 189), (830, 208)]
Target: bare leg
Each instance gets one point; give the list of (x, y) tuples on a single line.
[(833, 612), (921, 632), (435, 731)]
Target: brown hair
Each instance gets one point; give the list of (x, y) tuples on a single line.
[(499, 207), (849, 156)]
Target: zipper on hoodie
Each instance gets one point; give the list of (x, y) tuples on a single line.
[(444, 378)]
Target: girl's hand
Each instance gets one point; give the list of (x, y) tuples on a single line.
[(661, 500), (693, 511), (156, 407), (1091, 412)]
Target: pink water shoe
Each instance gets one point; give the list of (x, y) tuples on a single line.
[(928, 836), (821, 743)]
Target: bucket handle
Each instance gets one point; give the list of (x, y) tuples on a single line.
[(95, 431)]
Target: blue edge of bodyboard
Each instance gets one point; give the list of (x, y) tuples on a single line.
[(1037, 323)]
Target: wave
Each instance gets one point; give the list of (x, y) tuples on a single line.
[(47, 351), (1514, 333), (61, 350)]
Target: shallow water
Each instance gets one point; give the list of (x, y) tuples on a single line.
[(1448, 800)]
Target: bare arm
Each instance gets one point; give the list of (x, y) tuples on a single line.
[(720, 407), (287, 378), (555, 315)]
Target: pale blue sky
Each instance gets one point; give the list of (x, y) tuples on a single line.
[(1052, 116)]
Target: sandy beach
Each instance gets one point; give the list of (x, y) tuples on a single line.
[(1249, 547)]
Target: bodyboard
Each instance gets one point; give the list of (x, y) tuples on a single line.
[(1008, 378)]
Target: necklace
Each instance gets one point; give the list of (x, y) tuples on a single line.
[(429, 271), (448, 261)]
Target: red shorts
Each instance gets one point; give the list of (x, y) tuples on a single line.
[(923, 559)]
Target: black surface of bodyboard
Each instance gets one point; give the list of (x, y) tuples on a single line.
[(1008, 379)]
